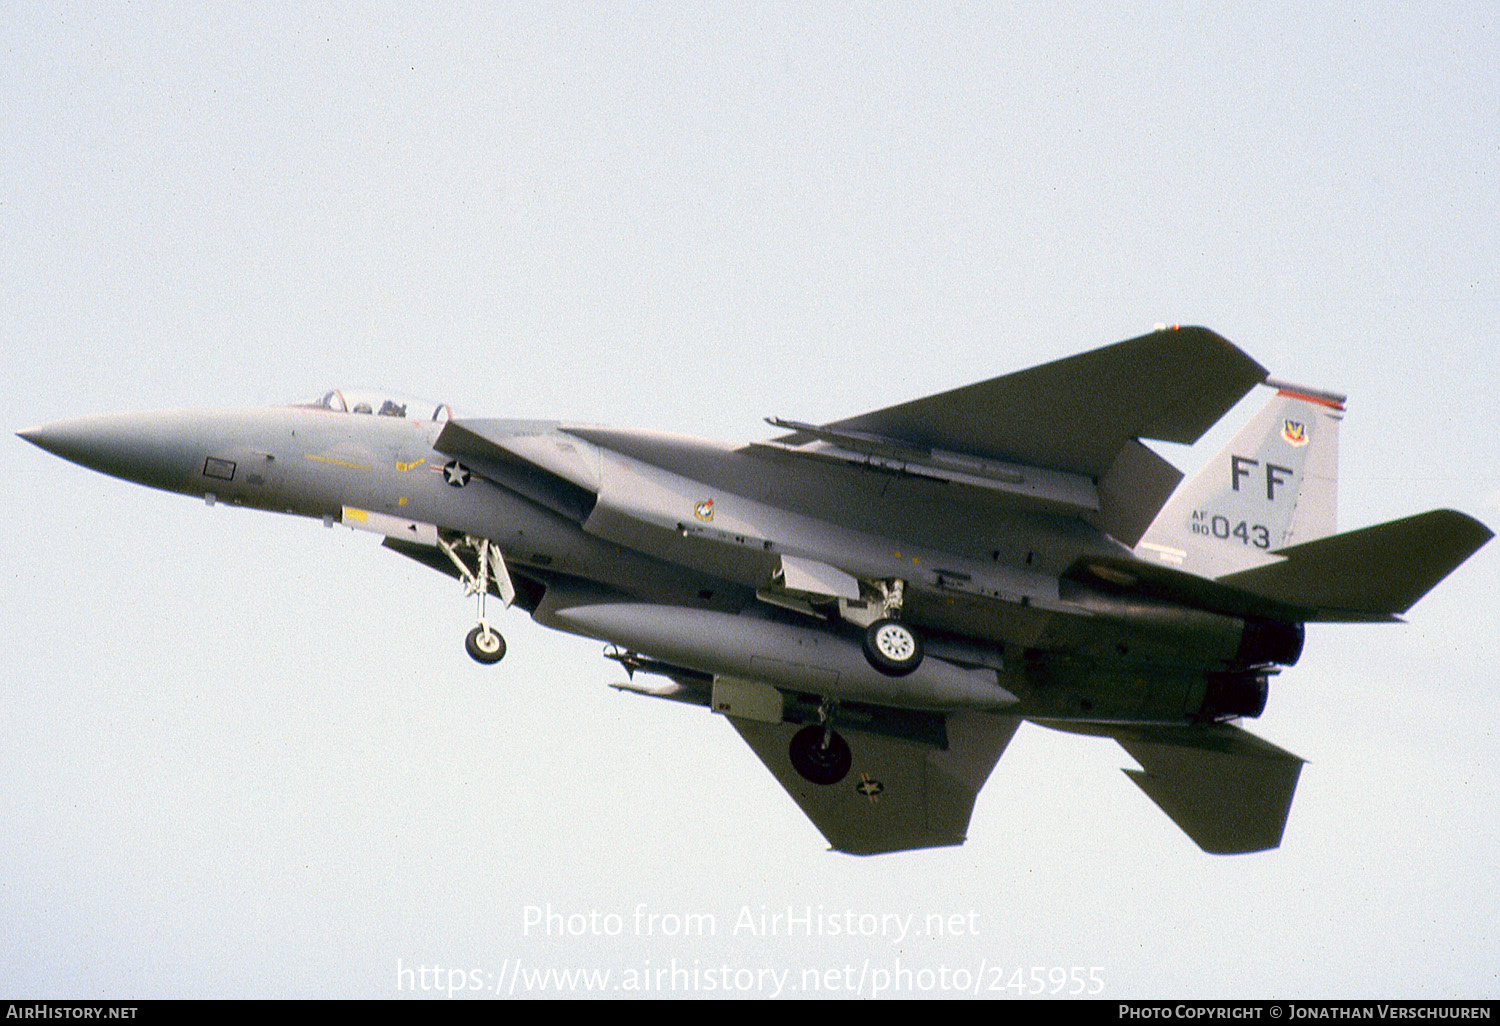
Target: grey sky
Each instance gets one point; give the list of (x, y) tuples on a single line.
[(244, 755)]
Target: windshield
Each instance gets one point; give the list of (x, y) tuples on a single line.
[(383, 404)]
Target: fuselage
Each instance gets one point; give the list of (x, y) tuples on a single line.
[(703, 506), (693, 552)]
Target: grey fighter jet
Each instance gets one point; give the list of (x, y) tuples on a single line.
[(877, 603)]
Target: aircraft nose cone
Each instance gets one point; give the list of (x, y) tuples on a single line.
[(150, 448), (60, 439)]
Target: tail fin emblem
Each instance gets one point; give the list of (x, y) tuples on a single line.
[(1294, 432)]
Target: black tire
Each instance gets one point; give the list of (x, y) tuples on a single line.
[(817, 762), (485, 650), (892, 647)]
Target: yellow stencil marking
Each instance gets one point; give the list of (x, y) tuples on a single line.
[(336, 462)]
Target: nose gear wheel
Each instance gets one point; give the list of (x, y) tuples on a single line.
[(484, 645)]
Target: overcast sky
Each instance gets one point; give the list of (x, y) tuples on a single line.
[(244, 755)]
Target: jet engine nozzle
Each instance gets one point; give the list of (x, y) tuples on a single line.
[(1270, 641), (1234, 694)]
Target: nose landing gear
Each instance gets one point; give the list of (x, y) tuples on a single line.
[(483, 644)]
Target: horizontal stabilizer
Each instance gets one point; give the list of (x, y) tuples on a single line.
[(1372, 572), (1229, 790), (899, 793)]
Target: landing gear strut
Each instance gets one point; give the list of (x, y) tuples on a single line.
[(818, 753), (483, 644)]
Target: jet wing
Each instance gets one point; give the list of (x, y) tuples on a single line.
[(900, 793), (1077, 414), (1229, 790)]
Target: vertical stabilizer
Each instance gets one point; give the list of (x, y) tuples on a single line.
[(1274, 485)]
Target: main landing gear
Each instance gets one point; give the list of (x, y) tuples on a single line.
[(891, 646), (818, 753), (484, 644)]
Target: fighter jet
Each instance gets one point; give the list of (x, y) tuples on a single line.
[(876, 604)]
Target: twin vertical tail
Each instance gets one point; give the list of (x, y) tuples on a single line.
[(1260, 517), (1273, 486)]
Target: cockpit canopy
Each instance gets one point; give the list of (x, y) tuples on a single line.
[(383, 404)]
